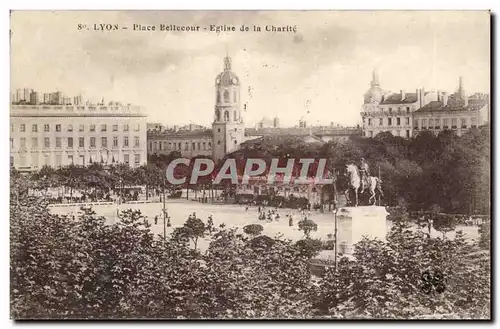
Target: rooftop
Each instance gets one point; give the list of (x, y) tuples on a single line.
[(396, 98), (438, 106)]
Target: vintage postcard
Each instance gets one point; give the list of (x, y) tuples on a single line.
[(250, 165)]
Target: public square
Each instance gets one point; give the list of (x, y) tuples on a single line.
[(233, 216)]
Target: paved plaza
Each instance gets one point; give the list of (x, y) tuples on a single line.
[(232, 216)]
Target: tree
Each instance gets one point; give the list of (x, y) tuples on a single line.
[(309, 247), (196, 229), (307, 226)]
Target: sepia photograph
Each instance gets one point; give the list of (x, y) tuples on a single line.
[(285, 164)]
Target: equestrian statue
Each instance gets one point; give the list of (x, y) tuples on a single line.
[(360, 182)]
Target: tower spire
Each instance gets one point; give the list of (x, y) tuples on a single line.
[(227, 62)]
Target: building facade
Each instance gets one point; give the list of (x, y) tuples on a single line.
[(406, 114), (59, 135), (190, 143), (440, 115)]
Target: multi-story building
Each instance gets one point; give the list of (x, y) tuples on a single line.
[(188, 142), (402, 113), (446, 114), (59, 135)]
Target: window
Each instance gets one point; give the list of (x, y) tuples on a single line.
[(23, 142), (218, 142), (415, 123), (398, 121), (226, 96), (46, 142), (136, 141), (170, 145), (407, 110), (126, 158), (58, 128), (371, 134), (70, 159), (70, 142), (12, 143), (46, 128), (407, 120), (390, 110), (22, 160), (369, 122), (473, 122), (159, 145), (70, 127), (58, 160), (81, 142), (464, 123), (125, 127), (204, 146), (58, 142), (92, 127), (136, 127), (235, 116), (431, 123), (137, 159), (186, 146), (445, 123), (437, 124), (22, 128), (92, 142), (104, 141), (34, 160), (380, 121), (34, 128), (179, 146), (12, 128), (226, 116), (210, 144), (453, 123), (104, 127), (164, 146), (199, 146), (34, 143), (218, 130), (407, 133), (82, 160), (389, 121), (194, 146), (115, 127), (125, 141), (81, 128), (115, 141), (235, 142), (424, 123)]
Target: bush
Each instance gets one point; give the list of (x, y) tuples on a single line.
[(253, 229), (309, 247)]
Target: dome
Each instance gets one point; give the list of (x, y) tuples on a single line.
[(227, 77), (374, 94)]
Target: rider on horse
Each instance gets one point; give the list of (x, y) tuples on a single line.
[(364, 172)]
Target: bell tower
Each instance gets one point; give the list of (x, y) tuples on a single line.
[(228, 130)]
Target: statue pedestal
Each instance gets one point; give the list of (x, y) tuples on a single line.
[(354, 223)]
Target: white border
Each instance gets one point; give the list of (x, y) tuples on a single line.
[(185, 4)]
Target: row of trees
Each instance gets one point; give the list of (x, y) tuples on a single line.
[(420, 173), (84, 268)]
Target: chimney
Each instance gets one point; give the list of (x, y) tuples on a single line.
[(403, 94)]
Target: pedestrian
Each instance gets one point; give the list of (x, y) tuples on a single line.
[(156, 220)]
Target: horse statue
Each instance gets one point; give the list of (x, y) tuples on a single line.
[(372, 184)]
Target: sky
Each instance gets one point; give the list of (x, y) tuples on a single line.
[(318, 73)]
